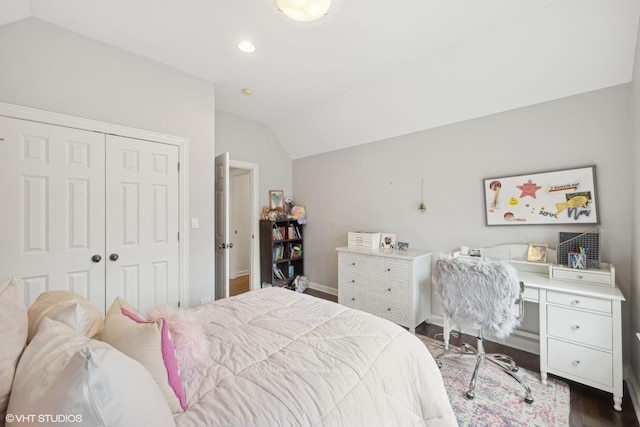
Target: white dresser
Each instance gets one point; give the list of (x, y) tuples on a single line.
[(395, 285)]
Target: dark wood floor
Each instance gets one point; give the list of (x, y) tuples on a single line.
[(589, 407)]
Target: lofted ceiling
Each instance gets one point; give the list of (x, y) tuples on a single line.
[(371, 69)]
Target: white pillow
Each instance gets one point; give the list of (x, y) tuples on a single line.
[(148, 342), (67, 307), (13, 336), (86, 382)]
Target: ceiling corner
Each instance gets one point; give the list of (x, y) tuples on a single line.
[(14, 10)]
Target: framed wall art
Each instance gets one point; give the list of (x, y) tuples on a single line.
[(276, 200), (559, 197)]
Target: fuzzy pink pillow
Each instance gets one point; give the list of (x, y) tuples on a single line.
[(149, 343), (187, 335)]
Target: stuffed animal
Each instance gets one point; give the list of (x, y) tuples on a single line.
[(298, 213), (288, 204)]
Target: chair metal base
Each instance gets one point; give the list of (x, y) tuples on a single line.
[(503, 361)]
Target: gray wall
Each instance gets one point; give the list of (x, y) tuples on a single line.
[(46, 67), (255, 142), (376, 186)]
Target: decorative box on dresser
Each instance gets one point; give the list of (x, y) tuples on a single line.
[(395, 285)]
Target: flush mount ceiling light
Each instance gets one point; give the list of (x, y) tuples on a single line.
[(246, 46), (304, 10)]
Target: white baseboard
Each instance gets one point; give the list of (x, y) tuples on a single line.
[(521, 340), (634, 393), (323, 288)]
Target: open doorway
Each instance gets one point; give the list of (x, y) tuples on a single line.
[(243, 220)]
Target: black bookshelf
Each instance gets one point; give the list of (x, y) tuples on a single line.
[(281, 252)]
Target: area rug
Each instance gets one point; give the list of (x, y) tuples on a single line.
[(499, 399)]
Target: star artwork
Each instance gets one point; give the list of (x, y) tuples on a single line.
[(528, 189)]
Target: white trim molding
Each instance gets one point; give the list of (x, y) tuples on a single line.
[(323, 288)]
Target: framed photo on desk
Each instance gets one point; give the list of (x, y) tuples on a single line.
[(560, 197)]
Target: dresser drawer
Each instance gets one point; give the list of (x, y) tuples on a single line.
[(579, 326), (581, 362), (383, 305), (576, 301), (375, 267), (575, 275)]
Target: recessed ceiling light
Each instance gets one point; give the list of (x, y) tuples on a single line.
[(247, 91), (246, 46)]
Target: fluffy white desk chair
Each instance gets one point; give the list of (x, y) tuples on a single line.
[(487, 296)]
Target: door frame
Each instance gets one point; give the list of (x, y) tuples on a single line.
[(57, 119), (254, 170)]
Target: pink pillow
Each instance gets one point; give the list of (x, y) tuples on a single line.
[(168, 355), (187, 335), (150, 344)]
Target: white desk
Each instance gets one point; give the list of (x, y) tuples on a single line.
[(580, 330)]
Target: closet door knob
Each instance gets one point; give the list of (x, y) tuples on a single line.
[(113, 257), (96, 258)]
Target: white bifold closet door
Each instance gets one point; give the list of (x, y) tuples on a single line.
[(92, 213), (142, 222)]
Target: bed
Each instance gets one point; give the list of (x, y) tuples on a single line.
[(274, 357)]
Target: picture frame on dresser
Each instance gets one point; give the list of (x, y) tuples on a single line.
[(388, 241)]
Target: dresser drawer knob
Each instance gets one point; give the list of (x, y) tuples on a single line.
[(353, 280), (389, 309), (353, 299), (576, 326), (389, 289), (388, 269), (353, 263), (575, 302), (576, 362)]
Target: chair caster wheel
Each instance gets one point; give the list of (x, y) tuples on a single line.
[(439, 363), (515, 369), (528, 400), (470, 396)]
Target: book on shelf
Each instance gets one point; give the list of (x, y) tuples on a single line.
[(278, 252), (277, 273), (294, 232), (291, 271), (276, 233)]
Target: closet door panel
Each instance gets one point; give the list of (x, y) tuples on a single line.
[(142, 222), (52, 221)]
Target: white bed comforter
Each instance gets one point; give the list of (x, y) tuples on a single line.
[(281, 358)]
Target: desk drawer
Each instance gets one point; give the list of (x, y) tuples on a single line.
[(577, 301), (574, 275), (579, 326), (581, 362), (531, 294)]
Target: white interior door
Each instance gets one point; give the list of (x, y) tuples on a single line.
[(222, 226), (52, 220), (142, 222)]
